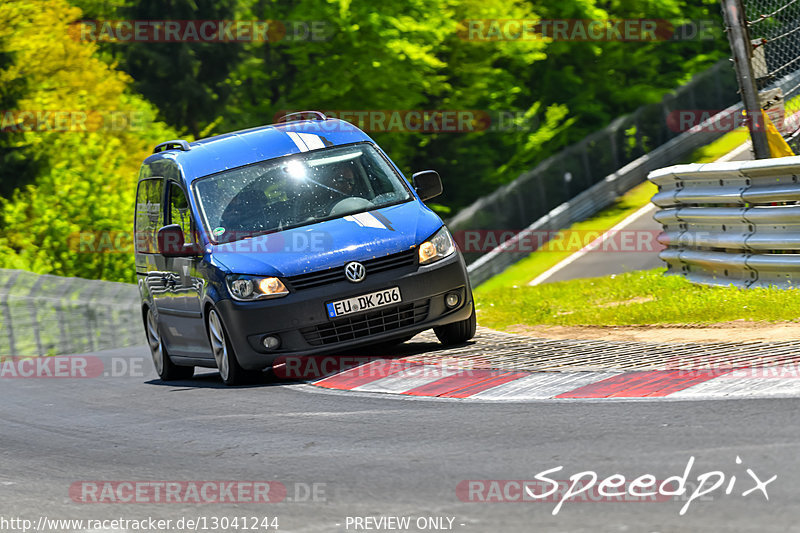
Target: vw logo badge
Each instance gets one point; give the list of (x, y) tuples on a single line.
[(355, 271)]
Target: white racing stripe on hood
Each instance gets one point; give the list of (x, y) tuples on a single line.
[(298, 141), (366, 220), (312, 141)]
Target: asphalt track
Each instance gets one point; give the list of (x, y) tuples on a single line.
[(341, 460), (381, 455)]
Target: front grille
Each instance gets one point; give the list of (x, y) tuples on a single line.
[(356, 327), (333, 275)]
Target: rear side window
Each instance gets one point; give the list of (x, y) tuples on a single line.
[(149, 214)]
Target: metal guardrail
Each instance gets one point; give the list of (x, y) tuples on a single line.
[(51, 315), (735, 223)]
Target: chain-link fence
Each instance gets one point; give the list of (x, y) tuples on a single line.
[(51, 315), (774, 30)]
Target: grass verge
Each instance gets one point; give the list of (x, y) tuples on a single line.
[(643, 297), (711, 152)]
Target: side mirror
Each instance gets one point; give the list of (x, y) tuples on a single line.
[(171, 243), (427, 183)]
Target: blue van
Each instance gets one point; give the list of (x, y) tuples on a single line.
[(293, 239)]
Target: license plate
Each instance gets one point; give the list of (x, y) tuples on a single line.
[(365, 302)]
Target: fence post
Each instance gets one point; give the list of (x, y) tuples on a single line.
[(733, 11), (63, 297), (35, 315)]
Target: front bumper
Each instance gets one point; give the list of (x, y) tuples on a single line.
[(301, 322)]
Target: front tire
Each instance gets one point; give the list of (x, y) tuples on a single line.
[(457, 332), (230, 370), (167, 370)]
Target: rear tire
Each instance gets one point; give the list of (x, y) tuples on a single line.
[(457, 332), (167, 370), (230, 370)]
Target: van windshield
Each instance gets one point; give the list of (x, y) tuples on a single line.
[(296, 190)]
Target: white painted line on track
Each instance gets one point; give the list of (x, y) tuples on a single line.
[(407, 379), (736, 152), (630, 219), (542, 385)]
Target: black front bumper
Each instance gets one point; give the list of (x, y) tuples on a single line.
[(301, 321)]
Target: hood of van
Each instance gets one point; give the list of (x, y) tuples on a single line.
[(330, 243)]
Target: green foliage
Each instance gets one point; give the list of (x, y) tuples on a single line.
[(186, 81), (87, 178), (403, 55), (411, 54), (599, 81)]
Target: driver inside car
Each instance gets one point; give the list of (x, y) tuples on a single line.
[(344, 181)]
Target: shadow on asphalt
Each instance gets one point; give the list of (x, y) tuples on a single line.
[(209, 379)]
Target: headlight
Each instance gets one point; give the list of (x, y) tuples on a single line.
[(248, 288), (437, 247)]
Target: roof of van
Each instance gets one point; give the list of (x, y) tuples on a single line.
[(239, 148)]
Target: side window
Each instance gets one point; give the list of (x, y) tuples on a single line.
[(149, 215), (179, 212)]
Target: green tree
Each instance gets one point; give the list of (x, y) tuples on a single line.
[(86, 183)]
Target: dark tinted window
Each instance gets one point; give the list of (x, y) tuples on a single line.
[(149, 216)]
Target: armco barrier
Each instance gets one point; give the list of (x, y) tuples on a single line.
[(52, 315), (735, 223)]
